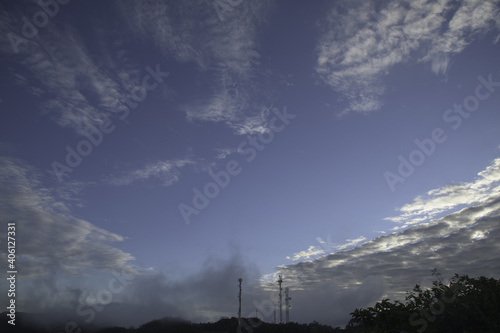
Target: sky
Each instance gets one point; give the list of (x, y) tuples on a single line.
[(154, 152)]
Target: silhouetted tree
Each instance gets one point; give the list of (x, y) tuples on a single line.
[(465, 304)]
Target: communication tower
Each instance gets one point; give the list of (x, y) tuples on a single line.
[(280, 280), (239, 303), (287, 305)]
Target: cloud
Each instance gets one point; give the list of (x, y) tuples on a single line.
[(310, 252), (171, 26), (362, 41), (168, 172), (351, 242), (62, 255), (192, 31), (76, 88), (332, 286), (51, 240), (226, 54), (328, 248), (202, 296), (485, 187), (224, 152), (329, 304), (463, 241), (235, 77), (325, 289)]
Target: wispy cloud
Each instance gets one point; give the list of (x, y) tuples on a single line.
[(226, 52), (224, 152), (310, 252), (53, 240), (362, 42), (73, 87), (169, 25), (168, 172)]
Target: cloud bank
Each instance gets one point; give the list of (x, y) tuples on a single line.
[(51, 239), (464, 241)]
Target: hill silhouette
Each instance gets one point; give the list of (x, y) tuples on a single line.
[(30, 323)]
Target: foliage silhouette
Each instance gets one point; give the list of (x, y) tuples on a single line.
[(464, 305)]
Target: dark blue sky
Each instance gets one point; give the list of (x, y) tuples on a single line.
[(191, 143)]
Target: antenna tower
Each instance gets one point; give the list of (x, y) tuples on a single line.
[(287, 305), (280, 280), (239, 303)]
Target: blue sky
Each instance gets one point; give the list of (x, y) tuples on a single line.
[(357, 140)]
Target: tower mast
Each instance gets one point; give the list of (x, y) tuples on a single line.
[(287, 305), (280, 280), (239, 303)]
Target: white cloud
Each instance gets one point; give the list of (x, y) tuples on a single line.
[(310, 252), (485, 187), (463, 242), (160, 21), (224, 152), (64, 74), (351, 242), (328, 248), (68, 79), (168, 172), (362, 41), (52, 239), (224, 51)]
